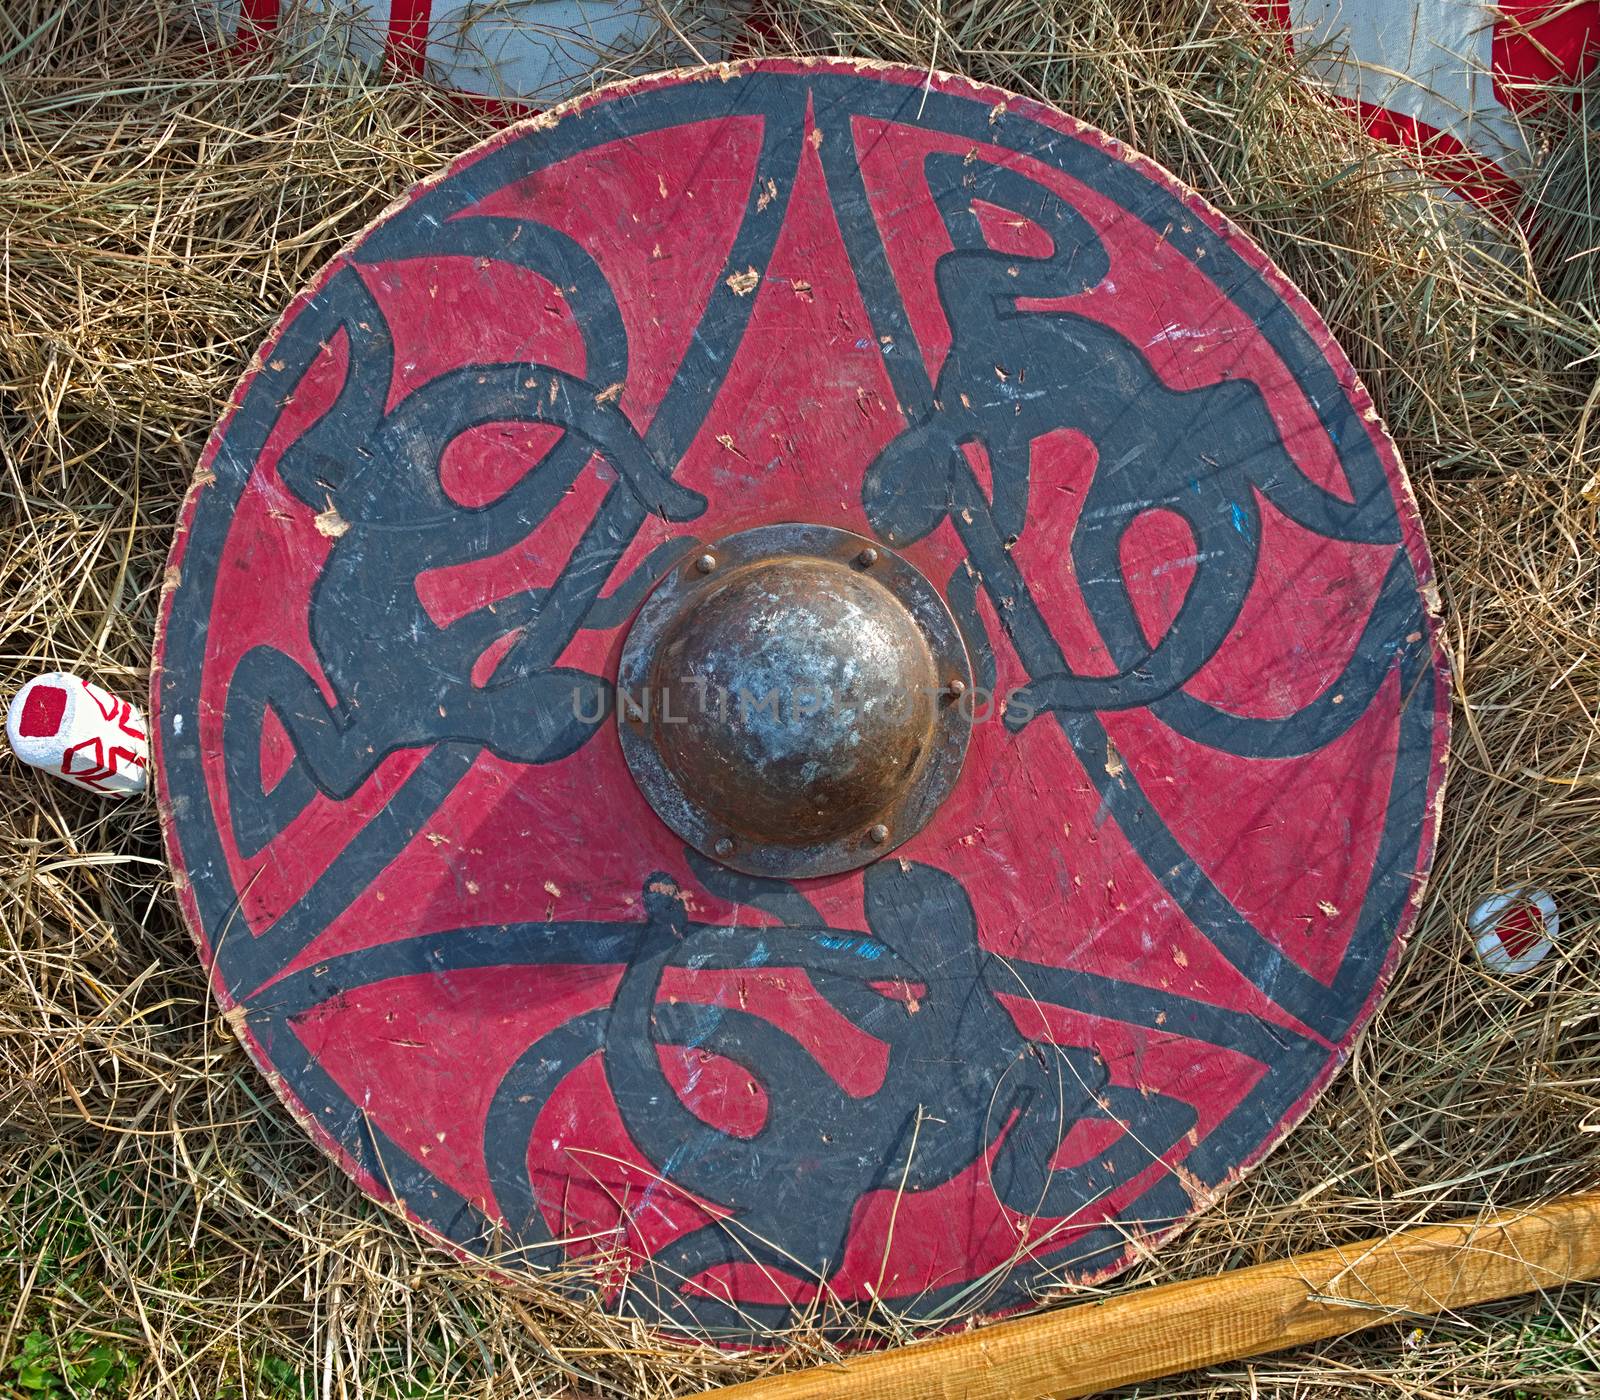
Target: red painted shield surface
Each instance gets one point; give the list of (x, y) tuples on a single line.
[(1191, 829)]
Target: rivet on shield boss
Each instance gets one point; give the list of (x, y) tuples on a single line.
[(813, 684)]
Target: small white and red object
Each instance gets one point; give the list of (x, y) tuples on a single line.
[(1515, 930), (81, 733)]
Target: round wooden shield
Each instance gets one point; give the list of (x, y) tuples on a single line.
[(1190, 832)]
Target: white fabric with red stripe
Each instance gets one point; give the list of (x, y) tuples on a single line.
[(528, 51), (1451, 76)]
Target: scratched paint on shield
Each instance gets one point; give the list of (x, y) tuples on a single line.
[(1127, 953)]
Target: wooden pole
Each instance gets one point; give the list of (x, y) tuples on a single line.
[(1174, 1327)]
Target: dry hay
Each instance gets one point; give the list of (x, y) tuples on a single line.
[(164, 1226)]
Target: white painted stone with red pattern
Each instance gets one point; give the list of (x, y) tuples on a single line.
[(80, 733), (1516, 930)]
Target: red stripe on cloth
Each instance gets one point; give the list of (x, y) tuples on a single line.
[(407, 50), (758, 24), (1275, 15), (1439, 153), (1539, 42), (257, 20)]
